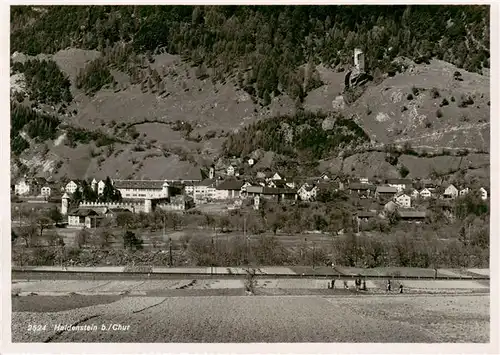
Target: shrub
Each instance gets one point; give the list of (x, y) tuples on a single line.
[(403, 171), (404, 108), (95, 75), (415, 91), (409, 97), (466, 101), (439, 113), (435, 93), (453, 99), (444, 103)]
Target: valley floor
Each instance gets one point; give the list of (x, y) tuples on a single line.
[(308, 318)]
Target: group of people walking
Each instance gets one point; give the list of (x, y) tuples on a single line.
[(361, 285), (388, 287)]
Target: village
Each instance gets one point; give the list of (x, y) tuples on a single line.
[(376, 198)]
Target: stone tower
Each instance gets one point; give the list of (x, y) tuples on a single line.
[(211, 173), (359, 60), (256, 202), (148, 206), (64, 204), (165, 187)]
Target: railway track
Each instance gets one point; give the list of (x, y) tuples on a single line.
[(88, 275)]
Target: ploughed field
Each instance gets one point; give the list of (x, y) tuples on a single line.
[(310, 318)]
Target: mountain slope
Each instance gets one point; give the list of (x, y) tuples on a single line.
[(142, 112)]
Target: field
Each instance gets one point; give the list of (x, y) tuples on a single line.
[(395, 318)]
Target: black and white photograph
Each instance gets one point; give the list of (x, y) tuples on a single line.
[(250, 174)]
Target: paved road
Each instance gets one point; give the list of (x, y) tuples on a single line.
[(271, 319)]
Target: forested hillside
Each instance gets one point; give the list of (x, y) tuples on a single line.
[(245, 78), (267, 43)]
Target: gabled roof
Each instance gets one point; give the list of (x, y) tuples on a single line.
[(399, 181), (206, 182), (269, 190), (399, 194), (412, 214), (231, 185), (279, 183), (386, 190), (390, 203), (366, 214), (360, 186), (309, 188), (139, 184), (119, 210), (83, 212)]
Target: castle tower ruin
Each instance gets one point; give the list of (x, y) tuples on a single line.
[(359, 60), (64, 204)]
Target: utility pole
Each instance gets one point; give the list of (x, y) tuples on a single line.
[(170, 248), (212, 261), (246, 239), (313, 255)]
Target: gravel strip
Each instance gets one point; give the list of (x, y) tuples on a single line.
[(118, 286), (483, 272), (452, 284), (277, 270)]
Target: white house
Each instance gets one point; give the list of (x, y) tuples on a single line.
[(142, 189), (307, 192), (400, 184), (425, 193), (71, 187), (245, 185), (464, 191), (414, 194), (22, 187), (390, 206), (83, 217), (229, 189), (364, 180), (189, 188), (45, 191), (230, 170), (484, 193), (93, 184), (204, 190), (276, 176), (324, 177), (251, 162), (100, 187), (451, 192), (403, 200)]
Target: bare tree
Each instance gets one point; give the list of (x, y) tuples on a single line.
[(82, 238), (102, 238), (28, 234), (156, 241), (43, 223)]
